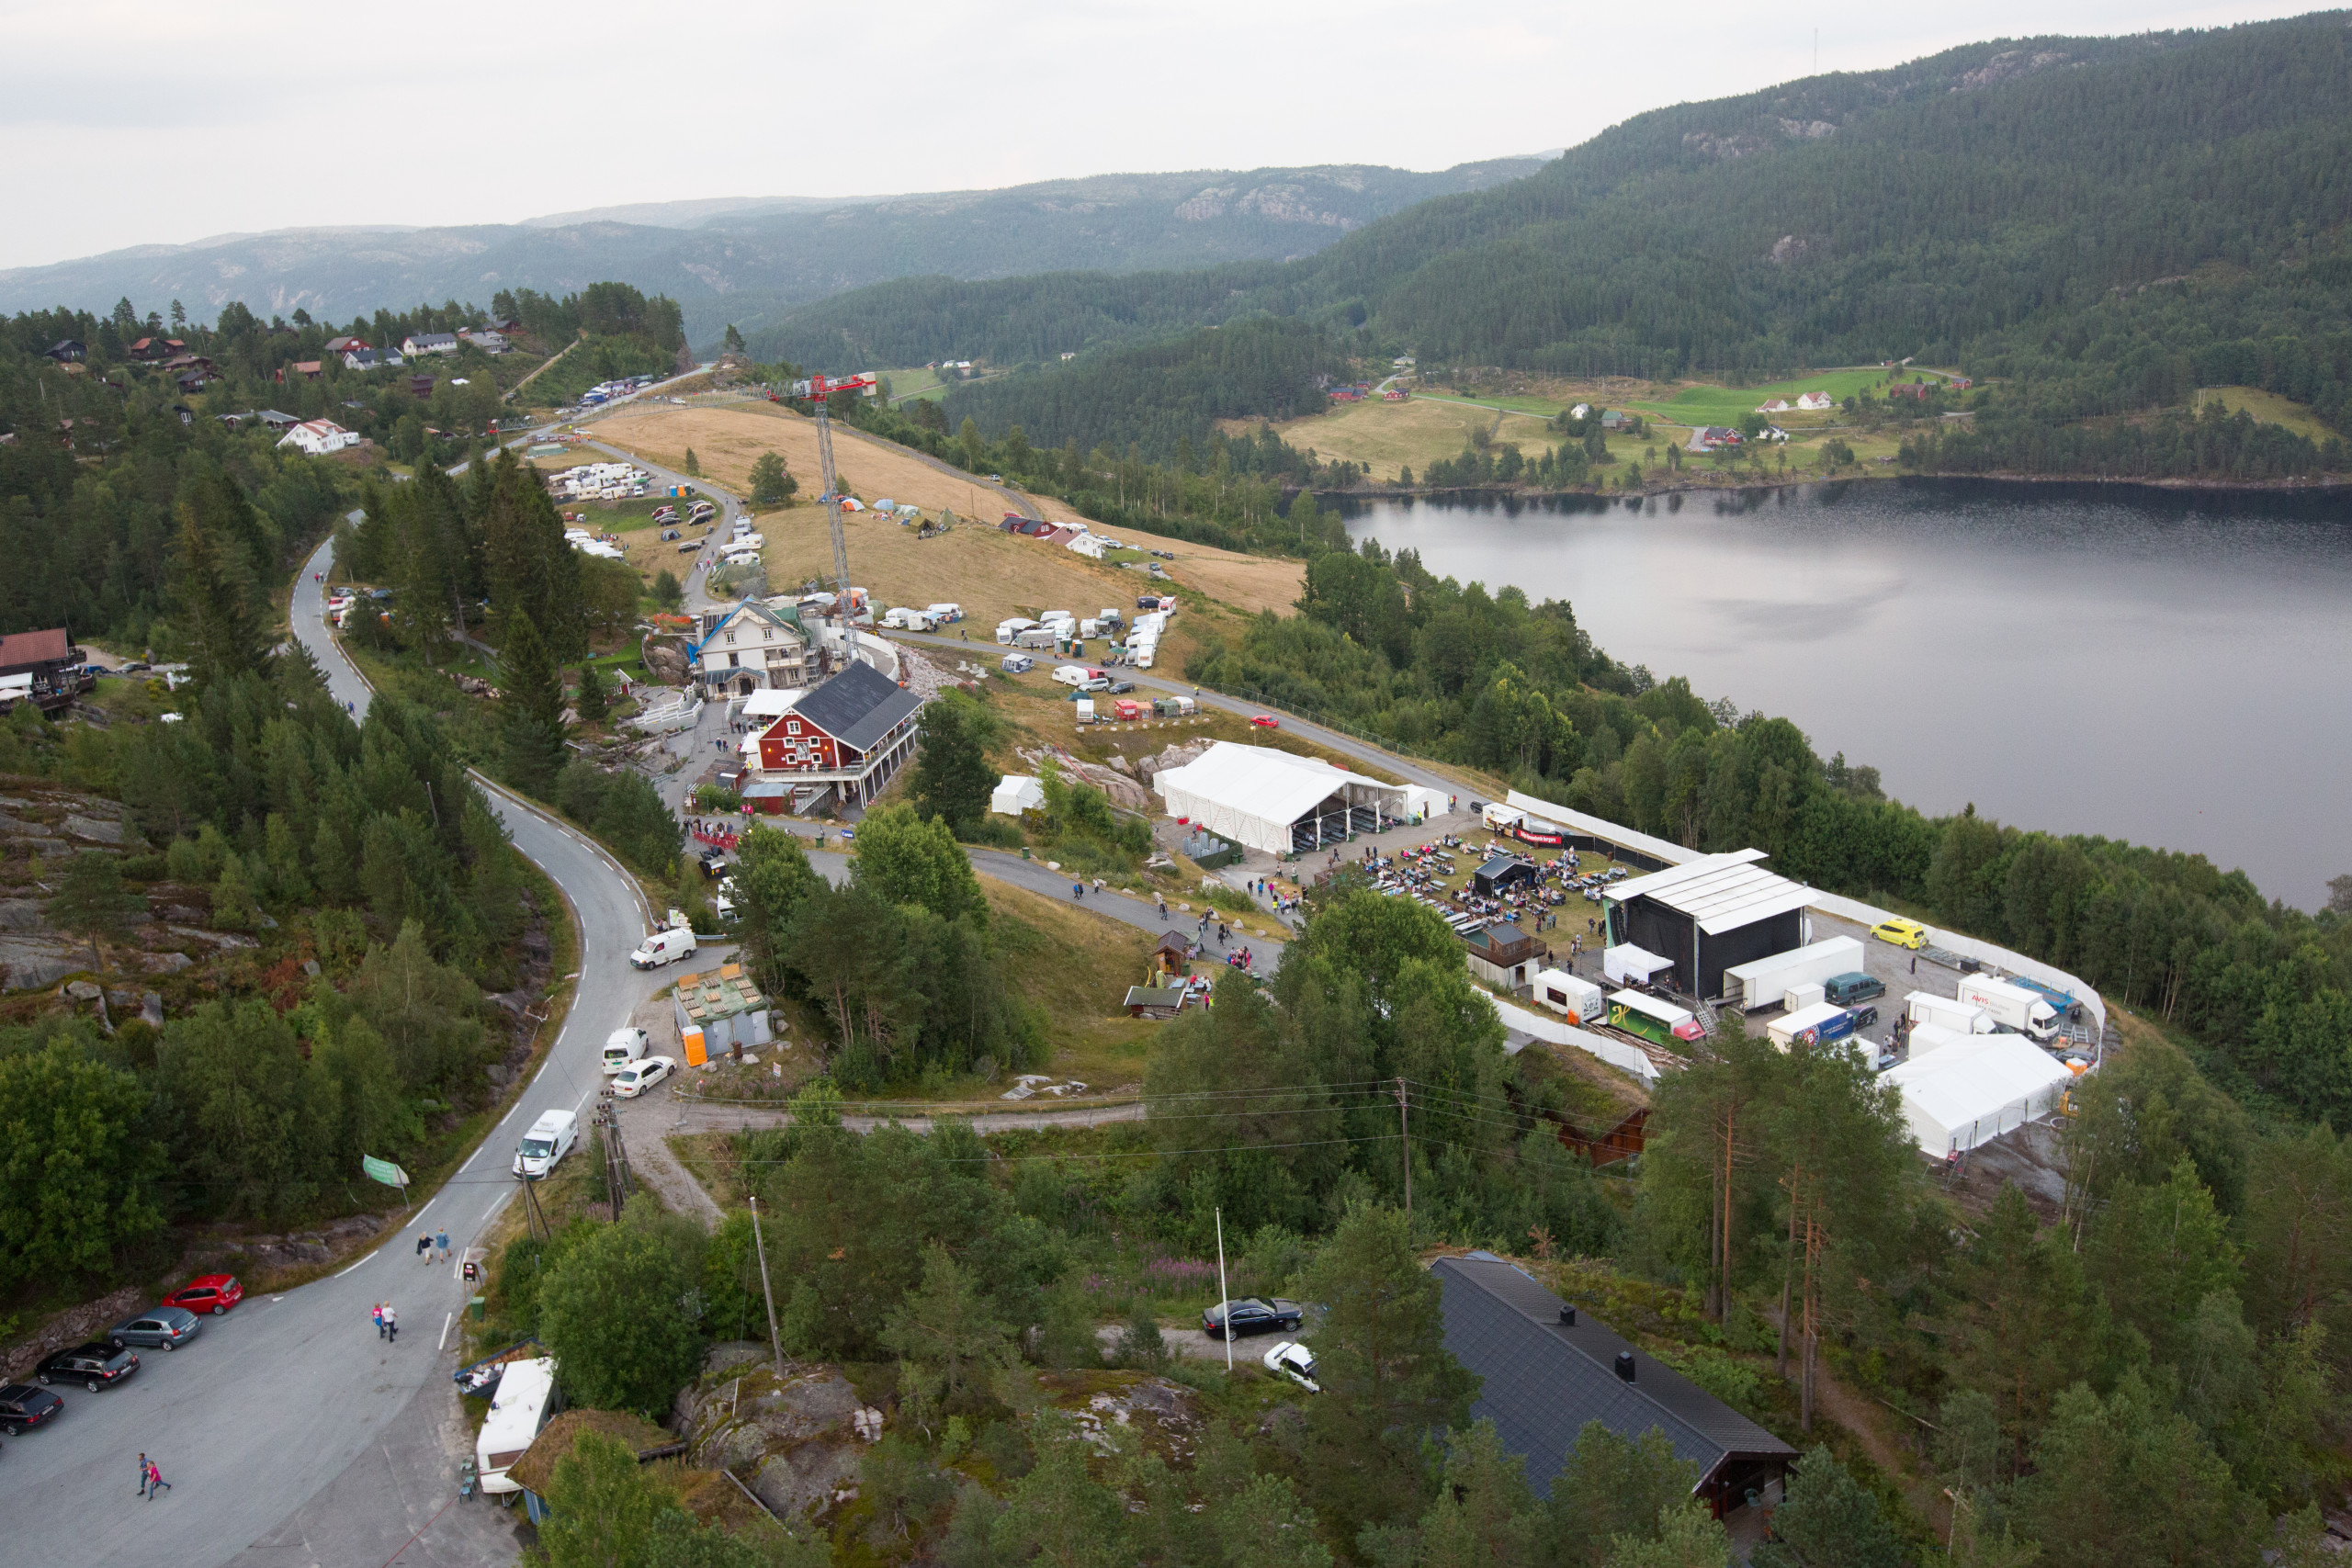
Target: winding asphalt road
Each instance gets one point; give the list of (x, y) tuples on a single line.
[(293, 1435)]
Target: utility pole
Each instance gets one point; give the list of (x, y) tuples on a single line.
[(1404, 1136), (775, 1341), (1223, 1295)]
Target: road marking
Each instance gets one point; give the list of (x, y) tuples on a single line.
[(361, 1264), (428, 1203), (446, 1322)]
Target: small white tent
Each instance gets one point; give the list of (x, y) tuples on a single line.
[(1968, 1090), (1016, 792), (1630, 966)]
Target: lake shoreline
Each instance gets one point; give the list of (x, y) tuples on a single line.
[(2331, 484)]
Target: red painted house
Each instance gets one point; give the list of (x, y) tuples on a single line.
[(852, 734)]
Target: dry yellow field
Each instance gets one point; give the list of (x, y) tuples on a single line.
[(1383, 436), (2268, 407), (992, 574)]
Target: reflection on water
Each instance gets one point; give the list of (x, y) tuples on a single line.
[(2164, 666)]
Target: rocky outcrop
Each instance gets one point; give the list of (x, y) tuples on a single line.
[(794, 1440)]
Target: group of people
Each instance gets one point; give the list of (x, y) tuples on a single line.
[(433, 1246), (151, 1478), (387, 1323)]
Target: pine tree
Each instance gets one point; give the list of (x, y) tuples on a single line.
[(693, 465), (92, 900), (531, 704), (734, 341), (953, 778), (213, 587), (591, 704)]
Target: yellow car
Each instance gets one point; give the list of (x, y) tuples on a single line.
[(1901, 933)]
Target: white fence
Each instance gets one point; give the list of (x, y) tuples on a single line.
[(1616, 1053)]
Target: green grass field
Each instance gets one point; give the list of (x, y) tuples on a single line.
[(914, 383), (1729, 405), (1542, 408)]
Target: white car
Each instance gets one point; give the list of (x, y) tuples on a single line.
[(642, 1075), (1295, 1363)]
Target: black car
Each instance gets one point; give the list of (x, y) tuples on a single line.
[(1253, 1314), (1121, 688), (23, 1406), (94, 1366)]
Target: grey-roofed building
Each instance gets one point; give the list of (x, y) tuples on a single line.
[(1709, 915), (1550, 1369)]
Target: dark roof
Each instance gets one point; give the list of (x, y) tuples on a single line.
[(21, 649), (1502, 864), (858, 706), (1546, 1378)]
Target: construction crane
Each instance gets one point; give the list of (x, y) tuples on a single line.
[(817, 388)]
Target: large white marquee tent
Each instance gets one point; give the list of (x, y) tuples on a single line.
[(1270, 800), (1970, 1088)]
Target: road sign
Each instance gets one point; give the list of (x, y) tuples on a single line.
[(382, 1170)]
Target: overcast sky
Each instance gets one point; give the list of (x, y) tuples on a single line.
[(141, 121)]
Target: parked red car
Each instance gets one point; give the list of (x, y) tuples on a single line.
[(1266, 721), (215, 1293)]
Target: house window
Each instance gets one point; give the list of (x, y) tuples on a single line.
[(767, 636), (792, 728), (730, 639)]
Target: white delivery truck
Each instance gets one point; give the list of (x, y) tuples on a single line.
[(1580, 1000), (2010, 1007), (623, 1047), (549, 1139), (662, 947), (1949, 1012), (1765, 982)]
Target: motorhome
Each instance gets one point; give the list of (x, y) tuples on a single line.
[(524, 1403)]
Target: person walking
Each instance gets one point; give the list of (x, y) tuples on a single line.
[(1915, 964), (441, 1242), (423, 1245), (155, 1482), (143, 1475), (391, 1324), (376, 1311)]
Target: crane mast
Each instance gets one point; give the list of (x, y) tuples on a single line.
[(817, 388)]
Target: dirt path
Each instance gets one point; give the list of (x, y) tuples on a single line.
[(1871, 1424)]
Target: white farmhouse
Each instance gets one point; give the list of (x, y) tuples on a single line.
[(429, 343), (320, 436)]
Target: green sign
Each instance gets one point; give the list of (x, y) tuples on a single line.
[(382, 1170)]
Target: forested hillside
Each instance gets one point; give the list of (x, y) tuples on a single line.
[(748, 265), (2106, 224)]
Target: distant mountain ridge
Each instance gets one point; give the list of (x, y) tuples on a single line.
[(747, 260)]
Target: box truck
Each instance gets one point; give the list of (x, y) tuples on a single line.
[(1764, 982), (2010, 1007), (1815, 1025)]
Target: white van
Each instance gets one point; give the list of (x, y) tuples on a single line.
[(549, 1139), (662, 947), (623, 1047)]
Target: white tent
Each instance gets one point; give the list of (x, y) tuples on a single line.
[(1971, 1088), (770, 702), (1630, 966), (1270, 800), (1016, 792)]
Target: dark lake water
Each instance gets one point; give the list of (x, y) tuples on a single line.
[(2172, 669)]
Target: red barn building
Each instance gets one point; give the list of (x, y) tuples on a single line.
[(850, 735)]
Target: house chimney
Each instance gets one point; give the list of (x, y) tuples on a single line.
[(1569, 1315), (1626, 1365)]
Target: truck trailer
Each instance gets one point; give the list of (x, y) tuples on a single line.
[(1764, 982), (2012, 1008)]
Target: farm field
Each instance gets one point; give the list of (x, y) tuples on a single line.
[(1385, 436), (1729, 405), (2268, 407)]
